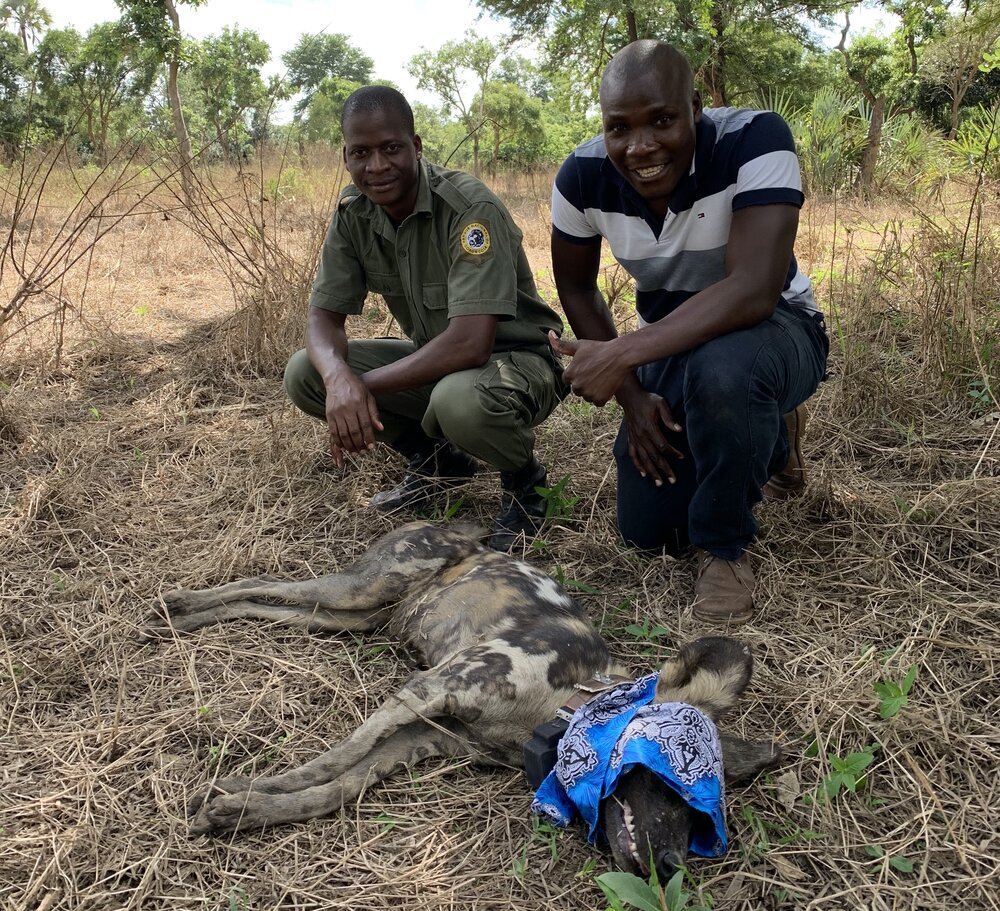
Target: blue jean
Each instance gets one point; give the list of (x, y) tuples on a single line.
[(729, 396)]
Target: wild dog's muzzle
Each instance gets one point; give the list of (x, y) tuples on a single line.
[(623, 728)]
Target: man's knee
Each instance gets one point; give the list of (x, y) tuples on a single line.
[(303, 384)]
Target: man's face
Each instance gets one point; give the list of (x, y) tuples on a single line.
[(383, 160), (649, 132)]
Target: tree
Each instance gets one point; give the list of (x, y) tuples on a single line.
[(320, 57), (867, 65), (226, 70), (735, 46), (93, 81), (155, 25), (29, 16), (322, 123), (446, 72), (13, 101), (953, 59), (515, 120)]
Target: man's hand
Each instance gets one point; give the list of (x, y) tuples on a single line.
[(595, 374), (352, 416), (647, 417)]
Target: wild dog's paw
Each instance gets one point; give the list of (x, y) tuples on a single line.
[(181, 601), (223, 787), (239, 811)]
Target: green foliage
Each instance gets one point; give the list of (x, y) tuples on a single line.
[(892, 695), (897, 862), (226, 72), (829, 137), (323, 56), (646, 631), (848, 773), (626, 890), (558, 503), (542, 833)]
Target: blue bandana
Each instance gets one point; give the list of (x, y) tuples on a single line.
[(623, 728)]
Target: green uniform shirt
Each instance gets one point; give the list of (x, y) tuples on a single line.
[(459, 253)]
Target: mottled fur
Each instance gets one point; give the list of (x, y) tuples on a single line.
[(500, 642)]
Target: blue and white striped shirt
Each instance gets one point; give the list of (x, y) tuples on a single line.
[(742, 158)]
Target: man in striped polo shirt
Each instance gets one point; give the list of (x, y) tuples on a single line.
[(701, 208)]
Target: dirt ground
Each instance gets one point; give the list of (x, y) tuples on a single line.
[(154, 452)]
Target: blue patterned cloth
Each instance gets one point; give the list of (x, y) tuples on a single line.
[(623, 728)]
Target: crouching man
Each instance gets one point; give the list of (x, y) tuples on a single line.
[(701, 208), (476, 372)]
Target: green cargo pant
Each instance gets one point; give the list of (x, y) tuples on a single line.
[(488, 411)]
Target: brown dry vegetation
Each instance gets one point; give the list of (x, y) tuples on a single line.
[(153, 449)]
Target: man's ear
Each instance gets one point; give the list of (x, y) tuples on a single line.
[(696, 106), (743, 759), (418, 144)]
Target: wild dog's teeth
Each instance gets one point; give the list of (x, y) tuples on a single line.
[(629, 821)]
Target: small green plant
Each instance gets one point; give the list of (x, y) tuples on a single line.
[(893, 696), (628, 890), (94, 412), (566, 582), (387, 822), (237, 900), (558, 504), (271, 753), (204, 711), (898, 862), (216, 752), (542, 832), (646, 631), (848, 772)]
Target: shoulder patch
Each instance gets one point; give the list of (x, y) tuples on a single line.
[(475, 239)]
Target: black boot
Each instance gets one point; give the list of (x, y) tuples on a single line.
[(522, 508), (433, 466)]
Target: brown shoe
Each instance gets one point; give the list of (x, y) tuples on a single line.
[(724, 590), (791, 480)]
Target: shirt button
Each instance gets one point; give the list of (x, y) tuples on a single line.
[(402, 255)]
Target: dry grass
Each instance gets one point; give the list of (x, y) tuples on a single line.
[(159, 452)]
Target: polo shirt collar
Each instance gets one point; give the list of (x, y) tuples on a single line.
[(704, 148)]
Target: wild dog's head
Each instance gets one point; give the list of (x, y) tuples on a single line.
[(647, 820)]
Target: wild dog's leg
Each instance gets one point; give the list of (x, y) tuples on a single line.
[(742, 759), (253, 809), (311, 618), (474, 686), (391, 566)]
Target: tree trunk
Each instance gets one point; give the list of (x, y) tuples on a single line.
[(630, 24), (869, 158), (180, 127)]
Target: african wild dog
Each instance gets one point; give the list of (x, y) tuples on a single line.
[(500, 645)]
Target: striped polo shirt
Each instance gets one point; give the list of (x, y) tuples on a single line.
[(742, 158)]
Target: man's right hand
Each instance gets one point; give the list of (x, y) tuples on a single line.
[(647, 418), (352, 416)]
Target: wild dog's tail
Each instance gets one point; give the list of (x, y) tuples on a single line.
[(709, 673)]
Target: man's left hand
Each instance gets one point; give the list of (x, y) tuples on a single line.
[(595, 373)]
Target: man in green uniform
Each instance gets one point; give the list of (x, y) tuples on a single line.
[(476, 372)]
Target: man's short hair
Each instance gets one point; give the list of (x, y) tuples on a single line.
[(647, 54), (371, 98)]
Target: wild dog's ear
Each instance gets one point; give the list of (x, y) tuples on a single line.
[(743, 759), (709, 673)]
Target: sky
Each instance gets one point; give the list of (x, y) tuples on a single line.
[(388, 32)]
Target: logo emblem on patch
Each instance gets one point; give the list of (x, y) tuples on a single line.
[(475, 239)]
